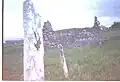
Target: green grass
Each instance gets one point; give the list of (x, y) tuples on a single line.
[(84, 63), (93, 62), (13, 62), (111, 33)]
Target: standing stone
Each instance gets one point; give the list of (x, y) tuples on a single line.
[(33, 44), (63, 61)]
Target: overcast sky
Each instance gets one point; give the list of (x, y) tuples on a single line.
[(61, 13)]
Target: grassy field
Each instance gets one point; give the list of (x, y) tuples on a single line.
[(93, 62)]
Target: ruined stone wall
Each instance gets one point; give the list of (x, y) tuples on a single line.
[(70, 38)]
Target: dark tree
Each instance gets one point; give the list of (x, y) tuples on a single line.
[(96, 23), (115, 25)]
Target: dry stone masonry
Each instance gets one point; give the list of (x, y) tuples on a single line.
[(69, 38)]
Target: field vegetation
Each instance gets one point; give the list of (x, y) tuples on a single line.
[(91, 62)]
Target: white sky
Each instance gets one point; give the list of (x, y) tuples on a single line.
[(61, 13)]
